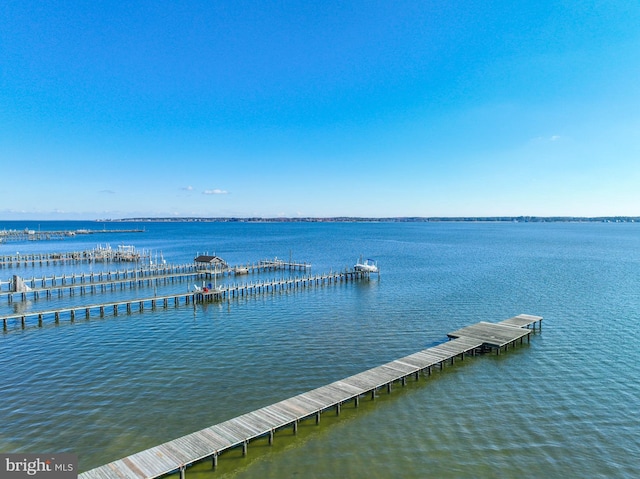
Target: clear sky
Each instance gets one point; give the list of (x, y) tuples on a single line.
[(116, 109)]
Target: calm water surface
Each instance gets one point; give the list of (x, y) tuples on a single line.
[(564, 405)]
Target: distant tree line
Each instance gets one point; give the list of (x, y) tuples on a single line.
[(395, 219)]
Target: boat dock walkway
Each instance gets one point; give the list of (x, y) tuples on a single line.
[(177, 455), (41, 284), (226, 291), (100, 254), (37, 235), (46, 286)]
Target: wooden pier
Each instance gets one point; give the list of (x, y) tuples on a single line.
[(226, 291), (37, 235), (45, 286), (100, 254), (83, 283), (209, 443)]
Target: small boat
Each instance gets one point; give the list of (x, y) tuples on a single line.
[(366, 266)]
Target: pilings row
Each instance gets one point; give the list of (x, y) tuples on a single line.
[(221, 293)]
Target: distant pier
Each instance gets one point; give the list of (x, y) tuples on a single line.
[(226, 291), (209, 443), (100, 254), (37, 235), (23, 288)]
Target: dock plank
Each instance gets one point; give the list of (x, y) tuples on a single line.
[(491, 334)]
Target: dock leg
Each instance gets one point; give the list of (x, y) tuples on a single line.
[(214, 461)]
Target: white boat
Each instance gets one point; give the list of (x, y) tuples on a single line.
[(366, 266)]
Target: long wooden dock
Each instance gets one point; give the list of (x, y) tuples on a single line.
[(47, 285), (37, 235), (226, 291), (94, 286), (44, 282), (210, 443), (100, 254)]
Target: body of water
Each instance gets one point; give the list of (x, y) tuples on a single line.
[(564, 405)]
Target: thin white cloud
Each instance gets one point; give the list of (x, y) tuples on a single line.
[(541, 140), (187, 188), (215, 192)]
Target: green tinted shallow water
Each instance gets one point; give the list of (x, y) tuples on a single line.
[(565, 404)]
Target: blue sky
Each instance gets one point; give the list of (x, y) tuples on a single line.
[(335, 108)]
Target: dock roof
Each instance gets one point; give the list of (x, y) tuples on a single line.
[(203, 258)]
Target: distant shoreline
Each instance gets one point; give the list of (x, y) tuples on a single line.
[(399, 219)]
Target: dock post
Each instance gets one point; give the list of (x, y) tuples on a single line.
[(214, 461), (295, 426), (271, 437), (244, 447), (182, 472)]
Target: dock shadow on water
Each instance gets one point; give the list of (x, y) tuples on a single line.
[(261, 455)]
